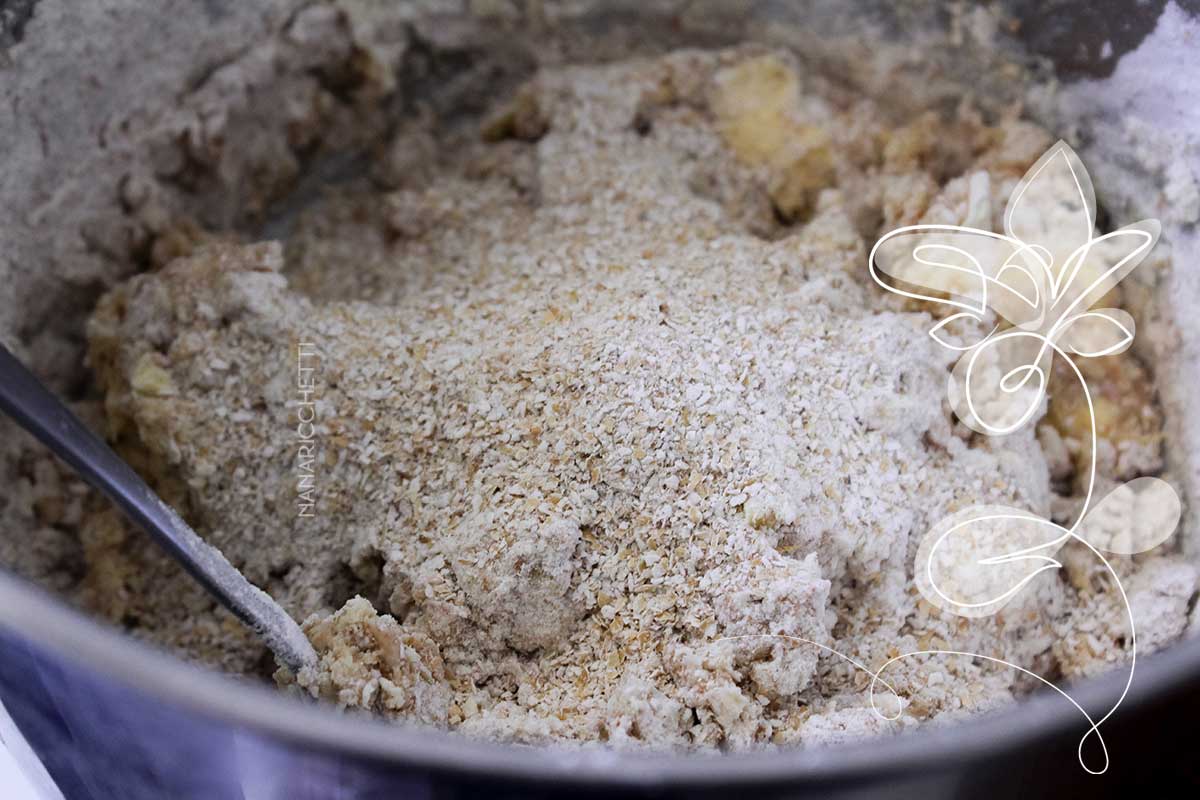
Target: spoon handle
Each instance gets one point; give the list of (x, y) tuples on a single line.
[(28, 402)]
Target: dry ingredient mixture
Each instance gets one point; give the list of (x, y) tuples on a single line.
[(600, 382)]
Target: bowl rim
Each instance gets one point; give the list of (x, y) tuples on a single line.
[(49, 623)]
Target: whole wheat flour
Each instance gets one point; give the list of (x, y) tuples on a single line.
[(604, 410)]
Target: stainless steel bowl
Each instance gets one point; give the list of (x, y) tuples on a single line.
[(111, 717)]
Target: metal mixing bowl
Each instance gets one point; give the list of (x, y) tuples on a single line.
[(112, 718)]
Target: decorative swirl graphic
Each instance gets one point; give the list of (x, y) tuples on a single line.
[(1032, 290), (1041, 277)]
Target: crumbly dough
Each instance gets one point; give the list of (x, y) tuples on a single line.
[(371, 662), (606, 407)]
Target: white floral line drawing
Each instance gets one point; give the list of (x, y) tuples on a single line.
[(1041, 276)]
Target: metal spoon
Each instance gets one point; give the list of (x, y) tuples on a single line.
[(41, 413)]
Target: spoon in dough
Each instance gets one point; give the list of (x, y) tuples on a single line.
[(28, 402)]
